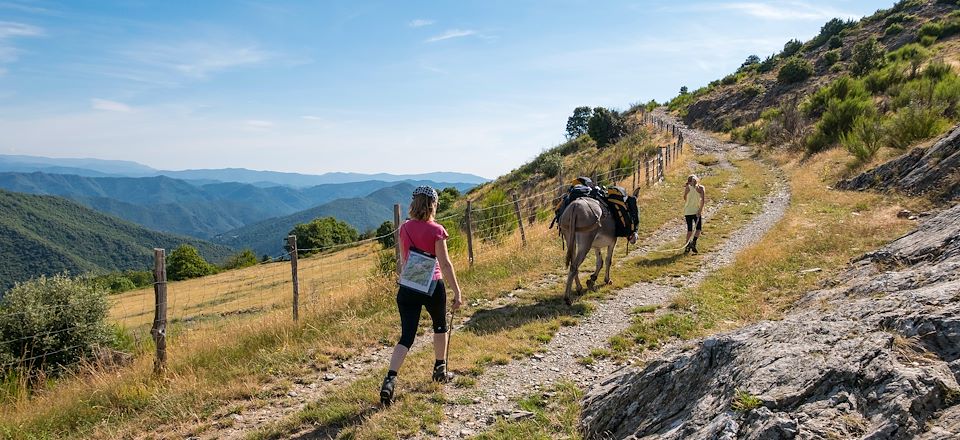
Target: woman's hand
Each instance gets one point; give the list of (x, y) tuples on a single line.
[(457, 302)]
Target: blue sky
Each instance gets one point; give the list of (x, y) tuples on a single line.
[(363, 86)]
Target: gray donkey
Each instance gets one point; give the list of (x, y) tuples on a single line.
[(586, 223)]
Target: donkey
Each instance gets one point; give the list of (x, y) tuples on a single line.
[(586, 224)]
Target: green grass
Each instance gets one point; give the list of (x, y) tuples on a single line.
[(745, 402), (556, 414)]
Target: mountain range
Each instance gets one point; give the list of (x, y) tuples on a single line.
[(199, 210), (44, 235), (363, 213), (119, 168)]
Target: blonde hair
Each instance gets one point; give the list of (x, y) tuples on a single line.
[(422, 207)]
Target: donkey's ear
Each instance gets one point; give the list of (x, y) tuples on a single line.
[(636, 192)]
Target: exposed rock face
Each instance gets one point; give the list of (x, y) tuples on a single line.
[(875, 356), (934, 170)]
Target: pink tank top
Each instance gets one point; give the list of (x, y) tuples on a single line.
[(422, 235)]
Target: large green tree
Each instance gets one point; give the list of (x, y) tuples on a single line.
[(185, 263), (577, 123), (605, 126), (323, 233)]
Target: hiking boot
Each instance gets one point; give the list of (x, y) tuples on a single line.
[(440, 374), (694, 250), (386, 390), (686, 249)]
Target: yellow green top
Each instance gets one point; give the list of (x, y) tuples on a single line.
[(692, 206)]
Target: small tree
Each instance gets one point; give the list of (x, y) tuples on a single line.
[(605, 126), (53, 322), (790, 48), (867, 55), (446, 198), (185, 263), (244, 258), (385, 234), (794, 71), (323, 233), (683, 90), (750, 61), (577, 123)]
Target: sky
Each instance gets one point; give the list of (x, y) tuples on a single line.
[(361, 86)]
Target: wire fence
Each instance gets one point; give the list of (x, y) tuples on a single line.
[(305, 278)]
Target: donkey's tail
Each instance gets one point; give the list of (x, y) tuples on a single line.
[(571, 238)]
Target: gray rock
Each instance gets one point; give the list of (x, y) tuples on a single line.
[(935, 170), (877, 355)]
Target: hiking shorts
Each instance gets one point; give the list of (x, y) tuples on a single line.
[(410, 303), (691, 219)]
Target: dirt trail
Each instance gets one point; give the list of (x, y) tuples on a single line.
[(495, 393)]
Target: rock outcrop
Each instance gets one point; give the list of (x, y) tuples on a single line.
[(934, 170), (876, 355)]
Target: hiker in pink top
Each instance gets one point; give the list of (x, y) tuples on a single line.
[(427, 236)]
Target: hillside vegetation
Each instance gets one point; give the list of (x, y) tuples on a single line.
[(879, 84), (47, 235)]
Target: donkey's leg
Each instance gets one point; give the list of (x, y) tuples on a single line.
[(606, 279), (583, 250)]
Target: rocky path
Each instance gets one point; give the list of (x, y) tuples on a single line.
[(496, 392)]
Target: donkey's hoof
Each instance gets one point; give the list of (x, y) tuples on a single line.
[(608, 282), (567, 300), (591, 284)]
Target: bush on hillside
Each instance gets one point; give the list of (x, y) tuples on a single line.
[(893, 29), (790, 48), (946, 95), (927, 40), (767, 64), (881, 80), (835, 42), (446, 198), (385, 235), (831, 57), (867, 55), (794, 70), (918, 91), (321, 234), (829, 30), (185, 263), (864, 138), (117, 282), (605, 126), (914, 123), (838, 119), (551, 164), (239, 260), (840, 89), (51, 323), (912, 54), (931, 28)]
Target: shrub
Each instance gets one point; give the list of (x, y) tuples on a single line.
[(835, 42), (244, 258), (913, 123), (494, 217), (605, 126), (790, 48), (879, 81), (893, 29), (937, 70), (927, 40), (551, 164), (831, 57), (767, 64), (912, 54), (838, 119), (867, 55), (898, 18), (729, 79), (931, 28), (185, 263), (946, 95), (448, 196), (840, 89), (863, 140), (386, 262), (794, 71), (385, 234), (749, 134), (918, 91), (50, 323), (322, 233), (829, 30)]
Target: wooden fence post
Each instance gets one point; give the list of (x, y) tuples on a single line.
[(469, 232), (646, 169), (516, 208), (159, 329), (636, 170), (295, 276), (396, 235)]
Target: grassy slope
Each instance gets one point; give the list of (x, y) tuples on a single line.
[(46, 235)]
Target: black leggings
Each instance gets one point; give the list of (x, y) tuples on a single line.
[(409, 302), (694, 218)]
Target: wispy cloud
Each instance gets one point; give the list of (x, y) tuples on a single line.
[(420, 22), (197, 59), (312, 118), (452, 33), (109, 106), (10, 30), (789, 10), (17, 6)]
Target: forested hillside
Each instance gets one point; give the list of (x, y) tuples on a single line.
[(47, 235), (363, 213)]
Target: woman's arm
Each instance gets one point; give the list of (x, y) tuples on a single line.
[(686, 192), (703, 198), (446, 268)]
